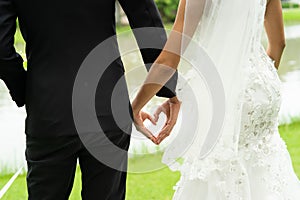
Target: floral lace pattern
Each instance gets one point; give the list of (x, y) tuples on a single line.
[(261, 103)]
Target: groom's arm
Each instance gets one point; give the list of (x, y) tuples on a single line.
[(142, 14), (11, 63)]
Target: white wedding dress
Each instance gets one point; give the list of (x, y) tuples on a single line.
[(262, 168)]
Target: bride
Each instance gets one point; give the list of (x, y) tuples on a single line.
[(249, 160)]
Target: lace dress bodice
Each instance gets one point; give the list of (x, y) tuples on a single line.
[(262, 99), (261, 103)]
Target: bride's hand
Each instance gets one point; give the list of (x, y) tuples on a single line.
[(139, 118), (171, 109)]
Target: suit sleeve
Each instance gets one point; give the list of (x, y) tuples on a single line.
[(11, 64), (142, 14)]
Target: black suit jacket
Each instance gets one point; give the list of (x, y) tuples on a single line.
[(59, 34)]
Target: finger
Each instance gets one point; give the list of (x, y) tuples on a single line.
[(162, 139), (151, 137), (156, 117), (170, 123), (174, 112), (140, 127), (154, 140), (164, 136), (146, 132), (138, 123), (164, 133), (157, 113), (150, 118)]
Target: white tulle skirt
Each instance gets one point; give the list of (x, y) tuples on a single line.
[(264, 173)]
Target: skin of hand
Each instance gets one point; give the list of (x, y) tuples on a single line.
[(139, 118), (275, 31), (147, 91), (171, 108)]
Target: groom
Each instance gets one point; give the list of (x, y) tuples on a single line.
[(59, 34)]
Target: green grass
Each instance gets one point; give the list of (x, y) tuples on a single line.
[(156, 185), (18, 189), (291, 16), (152, 186), (291, 135)]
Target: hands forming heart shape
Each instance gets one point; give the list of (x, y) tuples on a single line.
[(170, 108)]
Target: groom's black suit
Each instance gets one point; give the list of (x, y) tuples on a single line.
[(59, 34)]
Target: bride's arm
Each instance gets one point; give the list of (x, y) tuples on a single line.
[(187, 19), (166, 63), (161, 71), (275, 30)]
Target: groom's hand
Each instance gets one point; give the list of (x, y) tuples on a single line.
[(171, 109), (139, 118)]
